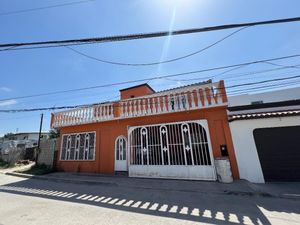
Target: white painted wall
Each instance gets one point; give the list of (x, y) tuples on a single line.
[(244, 144), (30, 136), (266, 97)]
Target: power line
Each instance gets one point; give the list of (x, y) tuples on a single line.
[(43, 46), (116, 96), (88, 105), (264, 81), (74, 98), (279, 65), (264, 87), (150, 78), (148, 35), (253, 77), (245, 89), (158, 62), (229, 76), (256, 72), (44, 7), (252, 73)]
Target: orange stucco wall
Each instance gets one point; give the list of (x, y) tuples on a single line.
[(107, 132), (136, 92)]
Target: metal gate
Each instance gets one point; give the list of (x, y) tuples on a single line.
[(173, 150)]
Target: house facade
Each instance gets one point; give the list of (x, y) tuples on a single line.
[(265, 128), (34, 136), (175, 133)]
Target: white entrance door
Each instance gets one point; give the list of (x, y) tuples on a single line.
[(120, 154)]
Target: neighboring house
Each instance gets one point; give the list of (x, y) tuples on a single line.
[(28, 136), (13, 150), (265, 129), (264, 97), (176, 133)]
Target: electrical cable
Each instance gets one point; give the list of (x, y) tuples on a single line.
[(234, 75), (44, 7), (158, 62), (148, 35), (89, 105), (150, 78)]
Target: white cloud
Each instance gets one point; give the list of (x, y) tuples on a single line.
[(8, 102), (6, 89)]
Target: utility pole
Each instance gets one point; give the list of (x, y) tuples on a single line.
[(39, 140)]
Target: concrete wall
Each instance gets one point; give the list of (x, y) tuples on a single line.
[(136, 92), (46, 155), (244, 144)]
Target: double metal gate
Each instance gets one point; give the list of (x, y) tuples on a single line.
[(173, 150)]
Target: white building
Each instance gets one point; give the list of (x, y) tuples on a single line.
[(265, 130), (265, 97), (28, 136)]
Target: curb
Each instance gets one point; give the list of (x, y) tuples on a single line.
[(38, 177), (266, 194), (112, 184)]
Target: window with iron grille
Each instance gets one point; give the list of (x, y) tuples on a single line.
[(79, 146), (169, 144)]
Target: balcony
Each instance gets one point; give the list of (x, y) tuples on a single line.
[(197, 96)]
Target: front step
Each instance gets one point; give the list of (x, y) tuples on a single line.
[(121, 173)]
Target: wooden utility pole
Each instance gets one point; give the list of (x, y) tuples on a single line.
[(39, 140)]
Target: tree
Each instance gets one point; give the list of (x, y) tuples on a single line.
[(53, 133)]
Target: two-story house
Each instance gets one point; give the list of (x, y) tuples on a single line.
[(176, 133)]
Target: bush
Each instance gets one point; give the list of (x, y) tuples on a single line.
[(4, 165), (39, 169)]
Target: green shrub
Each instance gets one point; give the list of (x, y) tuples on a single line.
[(39, 169)]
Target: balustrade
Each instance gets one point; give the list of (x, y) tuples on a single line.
[(181, 99)]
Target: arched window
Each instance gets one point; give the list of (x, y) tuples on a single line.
[(120, 147)]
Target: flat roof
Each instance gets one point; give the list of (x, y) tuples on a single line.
[(265, 105)]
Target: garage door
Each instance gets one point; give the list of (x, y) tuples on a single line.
[(279, 152), (173, 150)]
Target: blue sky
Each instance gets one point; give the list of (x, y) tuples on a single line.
[(45, 70)]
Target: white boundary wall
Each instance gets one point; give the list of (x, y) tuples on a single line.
[(244, 144)]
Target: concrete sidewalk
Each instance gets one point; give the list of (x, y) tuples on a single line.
[(239, 187), (61, 202), (17, 168)]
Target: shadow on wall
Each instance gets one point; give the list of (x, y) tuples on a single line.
[(193, 206)]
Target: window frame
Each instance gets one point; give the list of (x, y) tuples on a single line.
[(76, 134), (77, 147)]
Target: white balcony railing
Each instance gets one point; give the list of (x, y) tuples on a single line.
[(177, 100), (83, 115)]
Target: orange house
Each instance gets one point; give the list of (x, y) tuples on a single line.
[(176, 133)]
